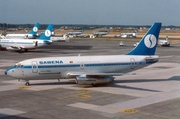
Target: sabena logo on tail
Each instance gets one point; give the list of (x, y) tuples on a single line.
[(47, 33), (150, 41), (35, 29), (147, 45)]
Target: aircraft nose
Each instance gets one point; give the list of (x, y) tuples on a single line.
[(5, 72), (9, 71)]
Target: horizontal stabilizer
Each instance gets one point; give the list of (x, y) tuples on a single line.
[(152, 59)]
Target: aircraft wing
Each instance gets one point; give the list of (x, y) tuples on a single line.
[(94, 74), (13, 48), (93, 78)]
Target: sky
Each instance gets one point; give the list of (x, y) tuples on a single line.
[(90, 12)]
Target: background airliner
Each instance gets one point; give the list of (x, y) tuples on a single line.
[(26, 44), (31, 35), (126, 35), (90, 69), (74, 33), (100, 33)]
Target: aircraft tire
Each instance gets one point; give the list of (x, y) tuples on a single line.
[(27, 83)]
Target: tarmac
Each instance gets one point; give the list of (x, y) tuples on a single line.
[(152, 92)]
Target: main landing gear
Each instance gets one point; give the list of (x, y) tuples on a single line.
[(27, 83)]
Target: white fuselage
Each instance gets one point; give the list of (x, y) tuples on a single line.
[(59, 67), (20, 36), (23, 43), (125, 35)]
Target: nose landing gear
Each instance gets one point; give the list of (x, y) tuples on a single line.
[(27, 82)]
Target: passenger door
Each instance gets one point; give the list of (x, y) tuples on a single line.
[(34, 67), (81, 66)]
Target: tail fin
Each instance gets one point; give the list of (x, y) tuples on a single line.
[(147, 45), (35, 29), (47, 34)]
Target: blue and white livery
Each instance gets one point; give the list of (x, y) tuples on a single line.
[(26, 44), (31, 35), (90, 69)]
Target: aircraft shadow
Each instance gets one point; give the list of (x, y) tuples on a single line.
[(29, 51), (114, 84), (69, 47), (34, 51), (53, 83), (177, 78), (4, 116)]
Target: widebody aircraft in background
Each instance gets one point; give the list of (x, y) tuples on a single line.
[(26, 44), (31, 35), (90, 69)]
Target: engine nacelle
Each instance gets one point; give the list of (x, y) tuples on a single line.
[(94, 80)]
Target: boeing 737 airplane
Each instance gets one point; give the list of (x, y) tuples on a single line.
[(31, 35), (26, 44), (90, 69)]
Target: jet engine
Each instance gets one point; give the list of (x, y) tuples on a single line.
[(93, 80)]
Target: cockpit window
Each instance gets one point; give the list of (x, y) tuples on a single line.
[(18, 65)]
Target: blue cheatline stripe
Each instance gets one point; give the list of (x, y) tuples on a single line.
[(10, 68), (87, 65), (79, 65), (27, 67)]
